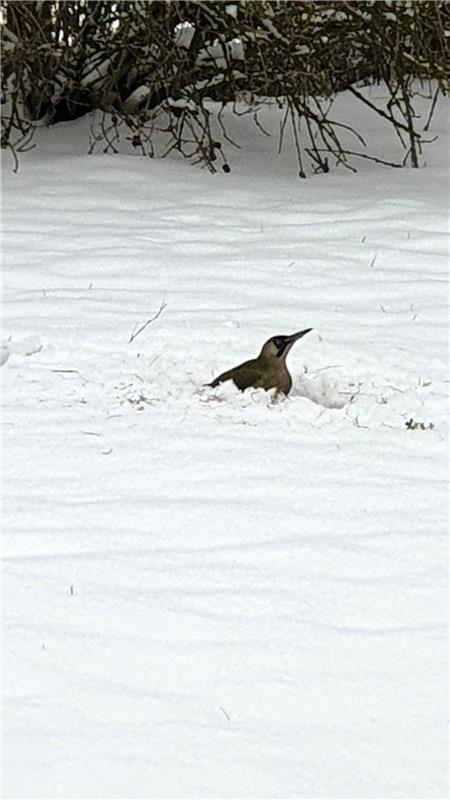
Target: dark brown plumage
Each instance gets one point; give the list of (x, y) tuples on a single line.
[(269, 370)]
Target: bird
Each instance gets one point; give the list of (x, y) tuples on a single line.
[(268, 371)]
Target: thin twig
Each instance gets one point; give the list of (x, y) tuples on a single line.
[(297, 139), (362, 155), (14, 155), (152, 319), (433, 106)]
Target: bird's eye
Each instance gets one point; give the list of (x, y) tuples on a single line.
[(278, 342)]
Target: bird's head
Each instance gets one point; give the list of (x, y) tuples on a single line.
[(279, 346)]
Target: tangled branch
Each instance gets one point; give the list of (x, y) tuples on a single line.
[(150, 69)]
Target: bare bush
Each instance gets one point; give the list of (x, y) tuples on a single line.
[(149, 67)]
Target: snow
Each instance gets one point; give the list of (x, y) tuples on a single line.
[(212, 594), (184, 33)]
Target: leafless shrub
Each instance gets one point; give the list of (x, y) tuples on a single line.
[(148, 69)]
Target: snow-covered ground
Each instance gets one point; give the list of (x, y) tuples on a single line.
[(211, 594)]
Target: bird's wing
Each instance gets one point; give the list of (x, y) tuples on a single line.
[(243, 376), (226, 376)]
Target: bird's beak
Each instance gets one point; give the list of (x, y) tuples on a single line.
[(298, 335), (290, 340)]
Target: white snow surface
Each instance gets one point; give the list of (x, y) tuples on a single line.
[(214, 594)]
